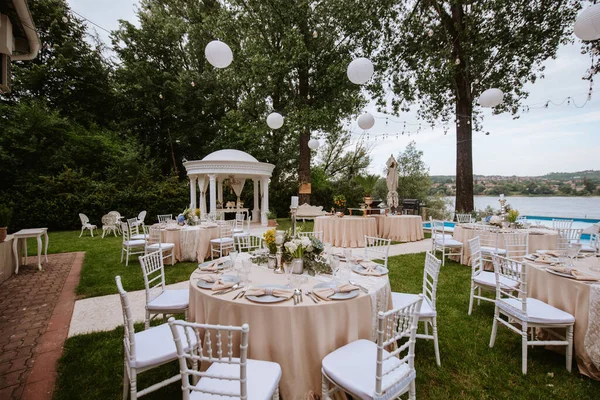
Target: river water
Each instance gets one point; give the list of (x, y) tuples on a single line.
[(551, 206)]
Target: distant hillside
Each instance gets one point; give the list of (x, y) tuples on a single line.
[(559, 176)]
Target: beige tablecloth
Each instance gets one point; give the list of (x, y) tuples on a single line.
[(580, 299), (400, 228), (191, 243), (539, 239), (296, 337), (346, 231)]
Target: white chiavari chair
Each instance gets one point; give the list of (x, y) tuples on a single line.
[(440, 232), (489, 239), (481, 279), (464, 218), (567, 236), (134, 229), (377, 249), (428, 313), (594, 244), (523, 313), (448, 246), (146, 350), (250, 243), (316, 234), (154, 243), (562, 223), (516, 245), (163, 218), (366, 370), (160, 300), (130, 246), (224, 241), (227, 376)]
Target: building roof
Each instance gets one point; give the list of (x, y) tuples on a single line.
[(27, 42), (229, 155)]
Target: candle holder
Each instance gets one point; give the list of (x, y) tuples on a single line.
[(279, 253), (294, 211), (502, 201)]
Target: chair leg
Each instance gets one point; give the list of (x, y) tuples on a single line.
[(569, 347), (426, 328), (127, 259), (147, 324), (471, 296), (524, 347), (479, 294), (122, 251), (412, 390), (435, 342), (82, 228), (125, 380), (276, 394), (324, 387), (133, 383), (494, 327)]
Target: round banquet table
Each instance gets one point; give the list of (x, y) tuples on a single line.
[(400, 228), (192, 243), (297, 337), (539, 239), (346, 231), (578, 298)]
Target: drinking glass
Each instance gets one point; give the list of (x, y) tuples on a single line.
[(572, 252), (345, 274), (347, 254), (335, 266), (233, 255), (327, 247), (288, 268), (247, 269)]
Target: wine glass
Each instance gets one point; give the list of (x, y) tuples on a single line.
[(573, 250), (335, 266), (288, 268), (233, 255)]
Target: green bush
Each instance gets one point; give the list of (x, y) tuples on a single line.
[(5, 215)]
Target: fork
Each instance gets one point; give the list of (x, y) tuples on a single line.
[(309, 296), (313, 296), (364, 289), (240, 294)]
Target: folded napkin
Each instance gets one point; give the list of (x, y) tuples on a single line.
[(220, 285), (325, 293), (287, 293), (210, 267), (210, 278), (370, 268), (545, 260), (578, 275), (551, 253)]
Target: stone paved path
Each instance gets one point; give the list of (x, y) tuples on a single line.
[(35, 312)]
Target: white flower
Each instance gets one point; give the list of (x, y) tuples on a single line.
[(306, 241), (291, 246)]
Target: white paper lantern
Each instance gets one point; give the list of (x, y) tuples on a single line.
[(491, 98), (218, 54), (366, 121), (313, 144), (275, 120), (587, 24), (360, 70)]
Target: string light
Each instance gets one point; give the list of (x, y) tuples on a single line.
[(315, 34)]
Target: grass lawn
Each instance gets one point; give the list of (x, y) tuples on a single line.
[(91, 367)]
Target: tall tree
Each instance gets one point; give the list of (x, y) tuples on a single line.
[(444, 54), (413, 174)]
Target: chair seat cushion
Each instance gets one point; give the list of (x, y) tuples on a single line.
[(262, 379), (156, 346), (161, 246), (400, 300), (238, 230), (537, 311), (132, 243), (440, 236), (353, 367), (486, 278), (448, 243), (241, 234), (587, 248), (492, 250), (171, 300), (222, 240), (141, 236)]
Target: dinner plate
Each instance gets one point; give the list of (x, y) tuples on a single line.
[(530, 257), (268, 298), (342, 258), (359, 269), (220, 265), (225, 278), (560, 273), (336, 296)]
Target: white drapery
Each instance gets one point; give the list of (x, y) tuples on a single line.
[(392, 182), (203, 185)]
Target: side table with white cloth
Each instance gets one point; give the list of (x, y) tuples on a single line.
[(23, 234), (346, 231), (580, 299), (400, 228), (192, 243), (299, 336)]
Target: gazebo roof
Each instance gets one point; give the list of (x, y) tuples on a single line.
[(229, 162)]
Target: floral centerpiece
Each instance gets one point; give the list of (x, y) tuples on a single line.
[(189, 216), (339, 201), (495, 220), (269, 237)]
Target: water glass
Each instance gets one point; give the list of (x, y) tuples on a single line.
[(335, 266), (288, 268), (247, 269), (347, 254), (233, 255), (344, 274)]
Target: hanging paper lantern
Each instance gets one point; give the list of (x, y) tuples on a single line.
[(218, 54), (366, 121), (587, 24), (313, 144), (491, 98), (275, 120), (360, 70)]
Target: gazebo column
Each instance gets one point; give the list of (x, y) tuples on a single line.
[(256, 211), (193, 179), (220, 190), (213, 192), (201, 186), (265, 201)]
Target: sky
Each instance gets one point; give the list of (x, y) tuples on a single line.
[(554, 139)]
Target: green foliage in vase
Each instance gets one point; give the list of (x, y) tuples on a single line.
[(367, 182), (512, 216)]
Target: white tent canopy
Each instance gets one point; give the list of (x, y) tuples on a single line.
[(235, 165)]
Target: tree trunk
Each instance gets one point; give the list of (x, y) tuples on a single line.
[(303, 91), (304, 166)]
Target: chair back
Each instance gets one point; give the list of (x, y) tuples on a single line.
[(239, 220), (516, 244), (562, 223), (116, 214), (165, 218), (218, 339), (154, 235), (392, 327), (489, 237), (595, 242), (126, 232), (133, 226), (251, 243), (129, 331), (84, 219), (316, 234), (437, 230), (567, 236), (514, 271), (108, 220), (430, 278), (464, 218), (154, 274), (141, 216), (377, 248), (476, 258), (225, 230)]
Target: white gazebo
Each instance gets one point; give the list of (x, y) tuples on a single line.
[(236, 166)]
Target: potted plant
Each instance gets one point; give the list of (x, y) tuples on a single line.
[(367, 182), (340, 203), (272, 218), (5, 216)]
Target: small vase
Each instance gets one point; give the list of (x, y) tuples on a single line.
[(272, 261), (297, 266)]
